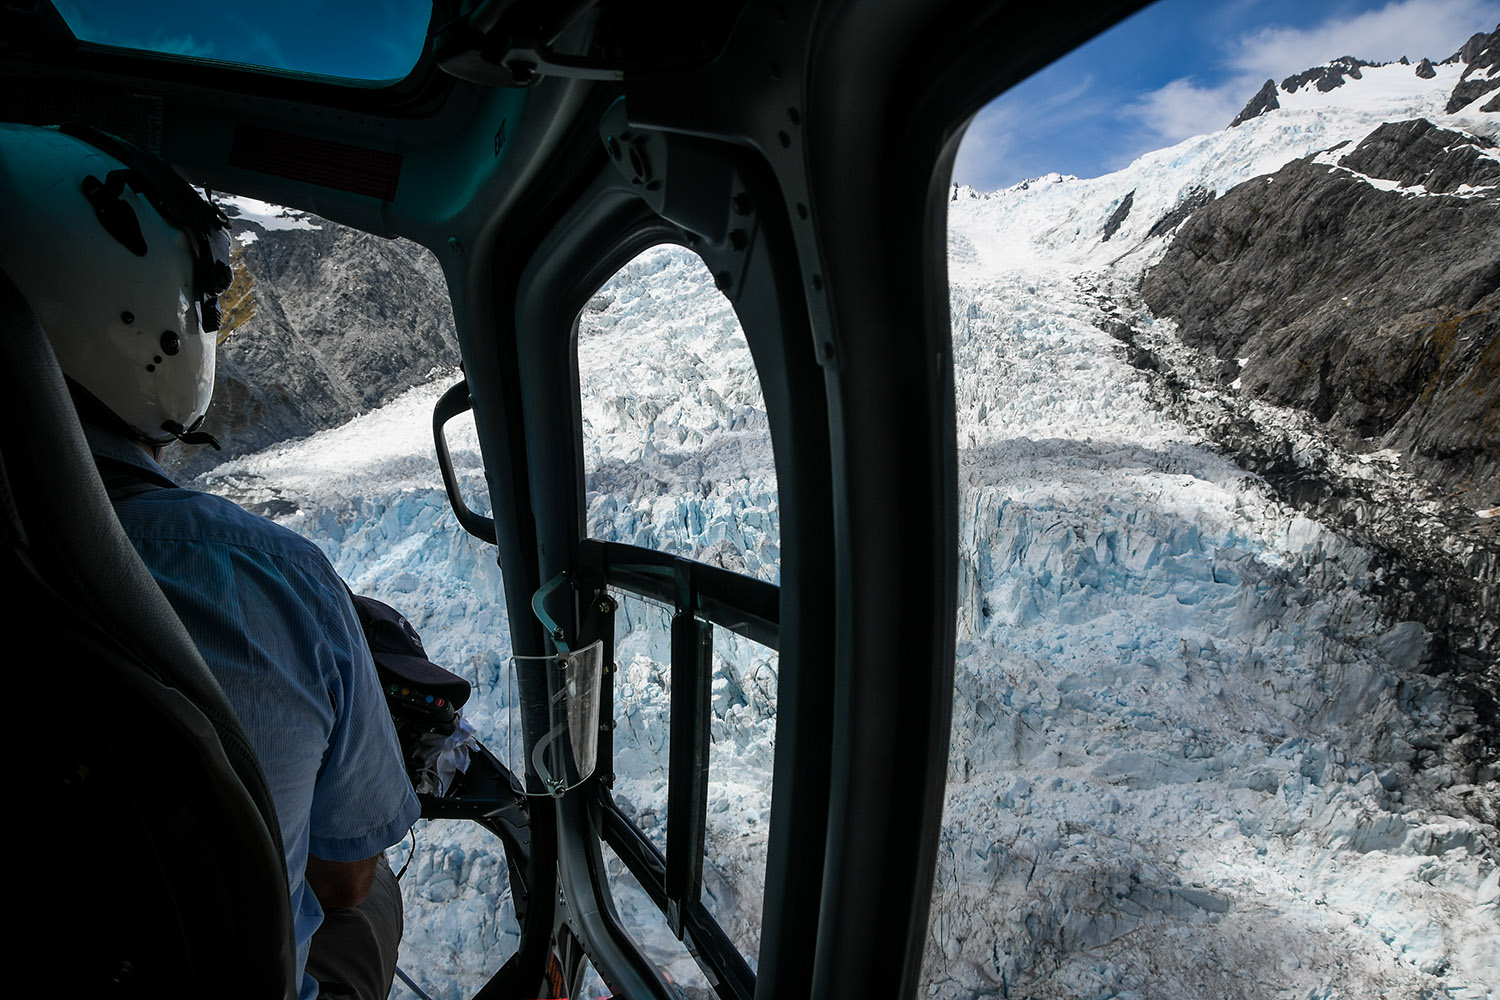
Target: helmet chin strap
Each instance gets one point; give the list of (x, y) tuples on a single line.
[(193, 436)]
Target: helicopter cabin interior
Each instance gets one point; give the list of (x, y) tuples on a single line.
[(803, 151)]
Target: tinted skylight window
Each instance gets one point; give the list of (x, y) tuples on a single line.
[(363, 40)]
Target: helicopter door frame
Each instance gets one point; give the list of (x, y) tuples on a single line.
[(609, 226)]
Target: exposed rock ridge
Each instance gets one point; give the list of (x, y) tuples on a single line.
[(1303, 278), (1195, 199), (1263, 101), (1417, 152), (1431, 565), (1481, 75), (1118, 216), (1327, 77), (1480, 56)]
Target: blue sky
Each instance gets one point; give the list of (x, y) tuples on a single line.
[(1184, 67)]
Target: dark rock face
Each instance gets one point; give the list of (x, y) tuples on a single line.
[(1194, 200), (1305, 277), (1474, 50), (337, 322), (1327, 77), (1263, 101), (1426, 70), (1377, 314), (1468, 91), (1481, 52), (1418, 152), (1118, 216)]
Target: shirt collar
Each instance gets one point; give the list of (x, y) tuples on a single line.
[(106, 443)]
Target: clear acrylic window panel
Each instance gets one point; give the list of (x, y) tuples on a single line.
[(676, 447), (742, 739), (352, 40), (643, 700), (643, 920), (565, 755), (742, 747)]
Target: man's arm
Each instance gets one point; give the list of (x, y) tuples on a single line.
[(341, 884)]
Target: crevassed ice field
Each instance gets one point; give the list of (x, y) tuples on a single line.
[(1182, 740)]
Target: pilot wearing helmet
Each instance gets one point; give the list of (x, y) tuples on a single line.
[(122, 261)]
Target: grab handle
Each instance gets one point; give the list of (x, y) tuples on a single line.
[(455, 401)]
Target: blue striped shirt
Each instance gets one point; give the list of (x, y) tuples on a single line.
[(275, 626)]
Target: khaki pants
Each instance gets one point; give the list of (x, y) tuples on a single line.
[(353, 955)]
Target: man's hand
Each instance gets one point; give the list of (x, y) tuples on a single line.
[(341, 884)]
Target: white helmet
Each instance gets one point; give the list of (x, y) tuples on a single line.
[(122, 262)]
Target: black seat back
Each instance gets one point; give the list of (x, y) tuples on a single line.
[(150, 842)]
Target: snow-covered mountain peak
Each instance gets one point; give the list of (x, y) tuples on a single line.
[(1392, 89), (1126, 219), (1395, 89)]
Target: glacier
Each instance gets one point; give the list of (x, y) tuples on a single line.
[(1189, 757)]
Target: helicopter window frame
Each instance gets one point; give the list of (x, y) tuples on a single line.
[(699, 597), (613, 226)]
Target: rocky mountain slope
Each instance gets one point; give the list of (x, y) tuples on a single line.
[(1360, 286), (323, 323)]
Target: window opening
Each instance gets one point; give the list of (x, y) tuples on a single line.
[(742, 749), (641, 916), (1149, 382), (642, 734), (727, 874), (591, 985), (459, 912), (676, 447)]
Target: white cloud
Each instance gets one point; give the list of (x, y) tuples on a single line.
[(1412, 28), (1002, 138), (1022, 135), (1182, 108), (986, 146)]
